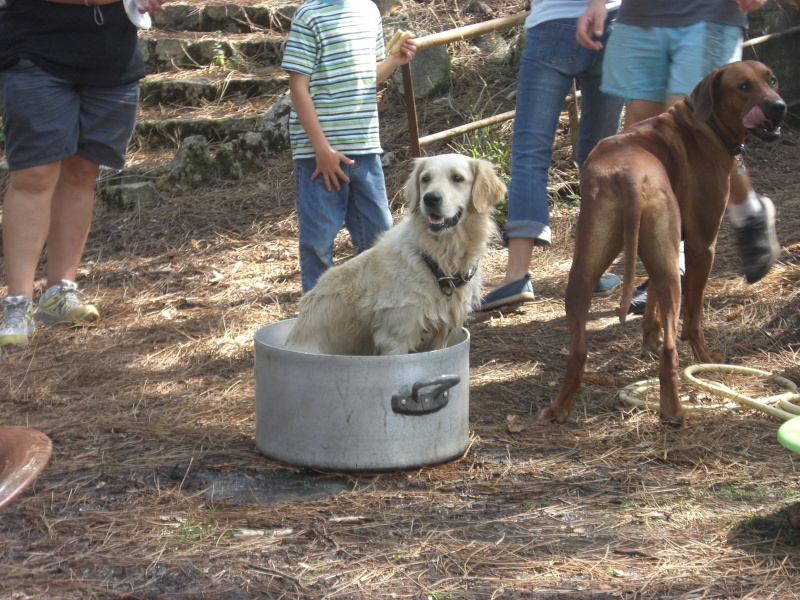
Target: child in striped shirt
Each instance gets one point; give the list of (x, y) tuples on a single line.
[(335, 58)]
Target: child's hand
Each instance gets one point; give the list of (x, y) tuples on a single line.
[(329, 165), (407, 51), (394, 59), (405, 54)]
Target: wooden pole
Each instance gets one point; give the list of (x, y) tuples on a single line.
[(469, 31), (467, 127), (411, 111)]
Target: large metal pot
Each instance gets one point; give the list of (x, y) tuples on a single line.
[(360, 413)]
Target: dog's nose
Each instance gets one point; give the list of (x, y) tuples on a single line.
[(775, 112), (432, 199)]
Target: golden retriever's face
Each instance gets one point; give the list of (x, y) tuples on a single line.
[(445, 187)]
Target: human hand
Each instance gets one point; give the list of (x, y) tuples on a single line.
[(329, 165), (402, 55), (591, 24), (747, 6), (395, 57), (406, 52)]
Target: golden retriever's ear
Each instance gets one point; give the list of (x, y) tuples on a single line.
[(704, 93), (487, 188), (411, 191)]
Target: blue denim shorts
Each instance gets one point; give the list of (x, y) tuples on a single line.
[(651, 63), (47, 119)]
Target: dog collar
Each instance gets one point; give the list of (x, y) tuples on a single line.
[(448, 283), (732, 147)]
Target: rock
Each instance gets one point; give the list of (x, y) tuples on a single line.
[(246, 154), (794, 515), (430, 73), (129, 196), (497, 49), (275, 124), (388, 159), (192, 165)]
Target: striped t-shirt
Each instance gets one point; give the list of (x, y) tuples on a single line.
[(337, 44)]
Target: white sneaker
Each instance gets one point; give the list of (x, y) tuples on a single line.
[(18, 325), (757, 243), (64, 306)]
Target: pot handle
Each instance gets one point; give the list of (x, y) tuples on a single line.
[(426, 402)]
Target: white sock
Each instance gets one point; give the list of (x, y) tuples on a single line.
[(739, 213)]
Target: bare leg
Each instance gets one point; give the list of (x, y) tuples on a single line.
[(26, 220), (740, 187), (70, 218), (639, 110), (520, 251)]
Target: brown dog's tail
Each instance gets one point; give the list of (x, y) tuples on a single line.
[(631, 218)]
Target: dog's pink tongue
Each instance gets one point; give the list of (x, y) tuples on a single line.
[(754, 118)]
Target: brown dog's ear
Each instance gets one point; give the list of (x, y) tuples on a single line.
[(411, 191), (704, 93), (487, 188)]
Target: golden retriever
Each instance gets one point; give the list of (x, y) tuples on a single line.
[(419, 281)]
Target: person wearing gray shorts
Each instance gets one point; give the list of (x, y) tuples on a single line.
[(69, 89)]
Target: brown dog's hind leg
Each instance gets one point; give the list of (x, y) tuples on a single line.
[(583, 276), (598, 241), (577, 307), (668, 291), (651, 328)]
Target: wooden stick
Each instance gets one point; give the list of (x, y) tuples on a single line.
[(469, 31)]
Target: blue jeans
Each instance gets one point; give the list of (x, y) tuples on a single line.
[(361, 204), (551, 60)]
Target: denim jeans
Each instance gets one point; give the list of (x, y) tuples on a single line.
[(552, 58), (361, 204)]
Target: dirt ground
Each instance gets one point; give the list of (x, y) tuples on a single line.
[(155, 488)]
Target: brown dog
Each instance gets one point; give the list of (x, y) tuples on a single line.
[(641, 190)]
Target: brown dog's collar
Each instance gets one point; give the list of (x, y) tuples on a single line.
[(448, 283), (732, 147)]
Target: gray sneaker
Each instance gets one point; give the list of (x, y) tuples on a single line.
[(64, 306), (757, 243), (18, 325)]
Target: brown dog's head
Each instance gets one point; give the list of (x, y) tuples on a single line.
[(447, 187), (742, 97)]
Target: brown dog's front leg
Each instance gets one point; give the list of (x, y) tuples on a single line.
[(559, 409), (697, 272)]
